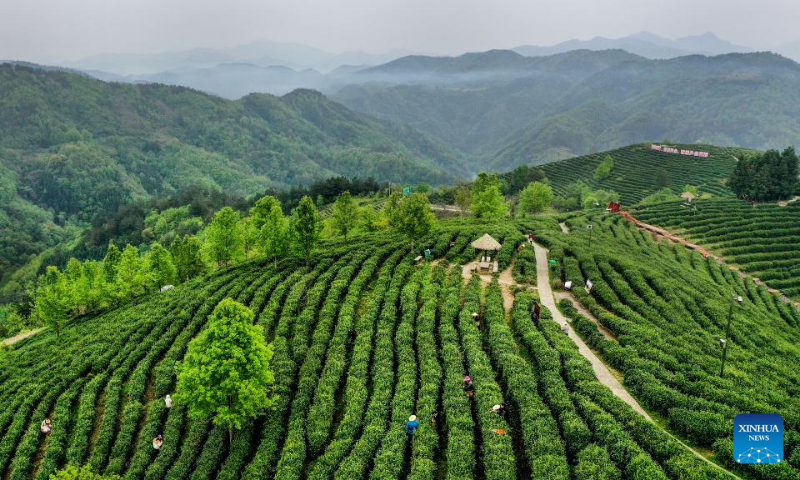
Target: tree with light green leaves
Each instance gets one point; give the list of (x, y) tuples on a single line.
[(132, 275), (272, 227), (226, 372), (52, 299), (249, 236), (535, 198), (489, 204), (111, 262), (224, 237), (162, 268), (463, 197), (187, 255), (345, 214), (413, 218), (305, 228), (603, 170)]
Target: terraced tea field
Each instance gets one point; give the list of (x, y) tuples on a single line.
[(637, 168), (364, 338), (667, 308), (763, 241)]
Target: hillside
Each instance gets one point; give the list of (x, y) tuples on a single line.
[(72, 146), (761, 240), (502, 109), (341, 416), (639, 171)]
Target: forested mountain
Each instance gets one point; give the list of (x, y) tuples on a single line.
[(72, 146), (502, 109)]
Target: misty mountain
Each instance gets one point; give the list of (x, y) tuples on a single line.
[(645, 44), (502, 109), (790, 50), (260, 54), (72, 147)]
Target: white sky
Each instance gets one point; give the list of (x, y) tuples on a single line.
[(58, 30)]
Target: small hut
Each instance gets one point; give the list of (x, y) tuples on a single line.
[(688, 196), (486, 243)]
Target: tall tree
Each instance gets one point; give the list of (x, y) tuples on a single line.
[(226, 372), (535, 198), (187, 255), (413, 217), (305, 228), (489, 203), (132, 276), (603, 170), (345, 214), (463, 197), (225, 242), (111, 262), (52, 299), (162, 269), (272, 227)]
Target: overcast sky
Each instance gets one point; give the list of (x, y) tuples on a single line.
[(59, 30)]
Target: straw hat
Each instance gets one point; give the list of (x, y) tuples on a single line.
[(412, 418)]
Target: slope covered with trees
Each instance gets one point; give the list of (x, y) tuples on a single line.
[(72, 147)]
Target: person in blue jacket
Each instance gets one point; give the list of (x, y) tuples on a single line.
[(412, 424)]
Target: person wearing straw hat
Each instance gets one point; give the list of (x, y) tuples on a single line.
[(412, 424), (469, 388)]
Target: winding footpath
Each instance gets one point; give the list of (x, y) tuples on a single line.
[(602, 372)]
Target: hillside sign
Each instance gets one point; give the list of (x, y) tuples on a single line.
[(688, 153)]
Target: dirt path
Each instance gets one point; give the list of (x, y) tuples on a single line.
[(20, 337), (702, 251), (783, 203), (505, 279), (586, 313), (602, 372)]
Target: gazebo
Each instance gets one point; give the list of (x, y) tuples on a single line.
[(486, 243), (688, 196)]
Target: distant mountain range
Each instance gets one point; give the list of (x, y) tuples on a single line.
[(503, 109), (645, 44), (260, 54)]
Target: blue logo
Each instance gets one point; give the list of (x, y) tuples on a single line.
[(758, 438)]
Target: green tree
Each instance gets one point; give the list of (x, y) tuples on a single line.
[(111, 262), (345, 214), (463, 197), (162, 268), (71, 472), (305, 228), (662, 178), (249, 236), (413, 217), (371, 219), (489, 203), (272, 227), (132, 276), (226, 372), (485, 181), (224, 237), (535, 198), (52, 299), (663, 195), (187, 255), (603, 170)]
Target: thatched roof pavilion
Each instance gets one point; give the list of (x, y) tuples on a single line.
[(486, 242)]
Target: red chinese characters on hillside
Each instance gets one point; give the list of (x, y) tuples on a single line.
[(688, 153)]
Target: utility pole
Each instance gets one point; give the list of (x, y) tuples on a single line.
[(723, 342)]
